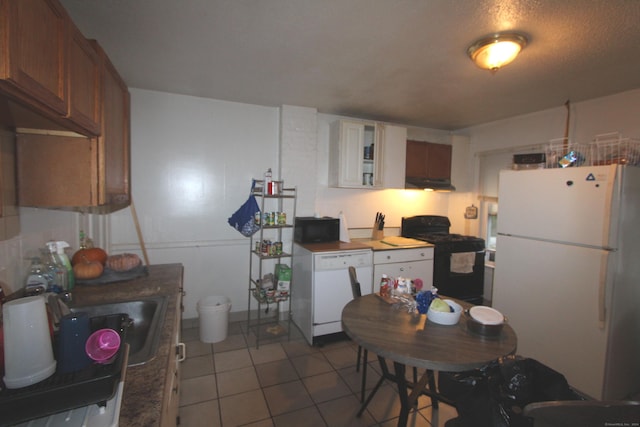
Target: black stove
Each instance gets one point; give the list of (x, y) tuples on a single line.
[(435, 229), (467, 285)]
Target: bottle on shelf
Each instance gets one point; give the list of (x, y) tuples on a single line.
[(268, 182)]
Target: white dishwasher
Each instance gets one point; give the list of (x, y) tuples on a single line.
[(322, 287)]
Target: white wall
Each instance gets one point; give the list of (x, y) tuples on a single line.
[(193, 160)]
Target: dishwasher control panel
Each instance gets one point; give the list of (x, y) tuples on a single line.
[(343, 259)]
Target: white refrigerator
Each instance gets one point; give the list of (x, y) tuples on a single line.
[(567, 273)]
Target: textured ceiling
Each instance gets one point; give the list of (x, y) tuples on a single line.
[(401, 61)]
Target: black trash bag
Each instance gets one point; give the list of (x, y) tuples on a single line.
[(495, 395), (470, 391)]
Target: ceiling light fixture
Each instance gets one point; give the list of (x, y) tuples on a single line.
[(493, 53)]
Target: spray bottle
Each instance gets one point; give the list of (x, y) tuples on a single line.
[(57, 267), (60, 247)]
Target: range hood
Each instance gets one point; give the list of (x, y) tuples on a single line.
[(429, 184)]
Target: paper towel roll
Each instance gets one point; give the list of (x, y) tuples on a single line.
[(344, 229)]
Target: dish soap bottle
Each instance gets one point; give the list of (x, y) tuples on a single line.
[(64, 259)]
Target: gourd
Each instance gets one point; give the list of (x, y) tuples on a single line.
[(123, 262), (87, 269), (89, 254)]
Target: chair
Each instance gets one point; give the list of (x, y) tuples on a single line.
[(362, 355)]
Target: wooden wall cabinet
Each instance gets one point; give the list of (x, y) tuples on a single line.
[(34, 52), (48, 66), (9, 218), (63, 170), (84, 83), (426, 160), (114, 155)]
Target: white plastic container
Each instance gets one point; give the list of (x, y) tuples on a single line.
[(28, 354), (444, 318), (213, 312)]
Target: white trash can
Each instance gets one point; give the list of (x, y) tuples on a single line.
[(214, 318)]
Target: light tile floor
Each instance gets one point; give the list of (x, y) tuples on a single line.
[(285, 383)]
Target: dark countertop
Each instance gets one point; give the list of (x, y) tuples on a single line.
[(144, 384)]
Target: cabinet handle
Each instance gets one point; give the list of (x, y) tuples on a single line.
[(181, 351)]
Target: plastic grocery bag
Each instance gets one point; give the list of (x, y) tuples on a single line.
[(496, 394), (244, 219)]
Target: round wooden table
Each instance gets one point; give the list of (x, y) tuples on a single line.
[(391, 332)]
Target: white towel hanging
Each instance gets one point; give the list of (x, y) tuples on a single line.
[(462, 262)]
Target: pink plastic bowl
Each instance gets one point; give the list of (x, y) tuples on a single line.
[(102, 345)]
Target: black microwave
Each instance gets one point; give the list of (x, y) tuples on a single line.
[(309, 229)]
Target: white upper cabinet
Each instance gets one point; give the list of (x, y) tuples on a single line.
[(394, 155), (366, 155)]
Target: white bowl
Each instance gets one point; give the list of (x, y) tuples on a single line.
[(442, 318)]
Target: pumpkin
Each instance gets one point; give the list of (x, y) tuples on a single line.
[(123, 262), (87, 269), (90, 254)]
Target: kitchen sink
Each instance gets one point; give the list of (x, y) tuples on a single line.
[(143, 334)]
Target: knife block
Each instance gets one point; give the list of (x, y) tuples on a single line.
[(377, 234)]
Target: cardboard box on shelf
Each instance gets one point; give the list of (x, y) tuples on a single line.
[(283, 279)]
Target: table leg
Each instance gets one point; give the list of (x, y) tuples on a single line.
[(400, 370), (385, 376), (432, 387)]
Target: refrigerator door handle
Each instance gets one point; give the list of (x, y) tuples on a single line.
[(602, 288)]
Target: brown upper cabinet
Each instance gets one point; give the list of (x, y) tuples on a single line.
[(70, 110), (426, 160), (48, 66), (114, 155), (61, 170), (85, 83)]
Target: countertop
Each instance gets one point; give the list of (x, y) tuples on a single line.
[(144, 384), (333, 246), (393, 242)]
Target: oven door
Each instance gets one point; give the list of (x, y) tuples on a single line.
[(465, 286)]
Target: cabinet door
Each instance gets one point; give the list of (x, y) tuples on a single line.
[(85, 103), (438, 161), (428, 160), (355, 155), (33, 55), (56, 171), (393, 142), (169, 417), (9, 219), (114, 157), (351, 154), (410, 269), (416, 164)]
